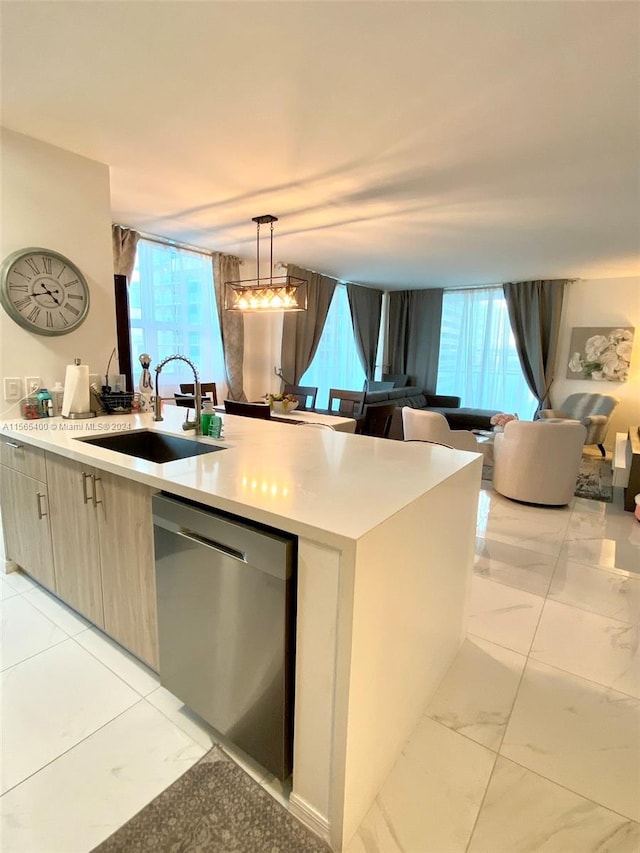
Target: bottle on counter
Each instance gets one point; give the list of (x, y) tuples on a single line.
[(215, 427), (57, 395), (145, 386), (206, 416), (45, 403)]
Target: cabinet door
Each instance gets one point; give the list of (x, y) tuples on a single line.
[(74, 531), (25, 519), (23, 458), (128, 568)]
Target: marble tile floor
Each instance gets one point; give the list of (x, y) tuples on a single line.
[(531, 743)]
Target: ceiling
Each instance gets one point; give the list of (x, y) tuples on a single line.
[(413, 144)]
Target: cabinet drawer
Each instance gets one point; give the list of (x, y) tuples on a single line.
[(23, 458)]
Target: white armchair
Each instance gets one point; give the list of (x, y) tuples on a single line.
[(432, 426), (592, 410), (537, 462)]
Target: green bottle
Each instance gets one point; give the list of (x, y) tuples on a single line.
[(205, 417)]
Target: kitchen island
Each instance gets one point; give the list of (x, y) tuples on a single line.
[(385, 542)]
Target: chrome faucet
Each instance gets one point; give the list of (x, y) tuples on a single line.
[(197, 396)]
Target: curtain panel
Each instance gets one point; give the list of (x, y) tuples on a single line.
[(227, 268), (301, 330), (365, 304), (124, 241), (415, 317), (535, 308)]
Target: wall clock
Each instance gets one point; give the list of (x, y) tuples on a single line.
[(43, 291)]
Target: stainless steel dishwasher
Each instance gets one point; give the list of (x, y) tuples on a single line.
[(226, 613)]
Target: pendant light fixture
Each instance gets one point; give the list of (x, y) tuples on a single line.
[(272, 293)]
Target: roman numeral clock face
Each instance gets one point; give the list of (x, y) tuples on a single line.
[(43, 291)]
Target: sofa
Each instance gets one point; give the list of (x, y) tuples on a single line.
[(416, 398)]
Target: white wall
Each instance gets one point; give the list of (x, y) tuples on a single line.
[(602, 302), (262, 344), (57, 200)]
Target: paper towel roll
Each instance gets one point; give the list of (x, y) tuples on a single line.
[(76, 390)]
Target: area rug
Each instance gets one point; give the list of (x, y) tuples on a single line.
[(595, 479), (215, 807)]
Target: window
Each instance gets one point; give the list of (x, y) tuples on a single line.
[(478, 357), (336, 363), (172, 310)]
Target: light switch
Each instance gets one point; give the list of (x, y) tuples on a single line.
[(11, 388)]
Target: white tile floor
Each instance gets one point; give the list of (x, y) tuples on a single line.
[(532, 742)]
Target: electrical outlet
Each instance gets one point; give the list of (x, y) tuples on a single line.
[(95, 379), (32, 385), (11, 389)]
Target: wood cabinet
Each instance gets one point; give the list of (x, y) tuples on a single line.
[(74, 531), (23, 458), (87, 535), (103, 550), (25, 511), (125, 525)]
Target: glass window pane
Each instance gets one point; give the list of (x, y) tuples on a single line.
[(478, 357), (172, 311), (336, 363)]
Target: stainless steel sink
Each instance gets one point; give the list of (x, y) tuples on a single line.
[(152, 446)]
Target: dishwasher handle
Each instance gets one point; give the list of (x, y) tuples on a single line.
[(210, 543), (271, 552)]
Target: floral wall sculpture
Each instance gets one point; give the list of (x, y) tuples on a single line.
[(600, 353)]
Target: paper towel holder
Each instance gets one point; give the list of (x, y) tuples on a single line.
[(71, 416)]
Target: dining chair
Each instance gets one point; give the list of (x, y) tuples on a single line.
[(349, 402), (377, 420), (184, 400), (428, 441), (248, 410), (207, 389), (433, 426), (305, 394)]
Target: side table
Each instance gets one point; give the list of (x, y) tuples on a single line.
[(485, 444)]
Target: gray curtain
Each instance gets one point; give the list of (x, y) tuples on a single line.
[(365, 304), (125, 241), (227, 268), (534, 314), (301, 330), (415, 317)]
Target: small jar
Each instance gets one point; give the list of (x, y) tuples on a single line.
[(31, 408)]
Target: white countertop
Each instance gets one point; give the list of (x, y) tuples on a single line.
[(331, 486)]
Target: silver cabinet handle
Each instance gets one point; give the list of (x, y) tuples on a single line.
[(210, 543), (85, 496), (14, 445), (41, 514), (94, 493)]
